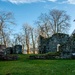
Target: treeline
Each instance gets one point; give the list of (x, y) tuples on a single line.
[(56, 21)]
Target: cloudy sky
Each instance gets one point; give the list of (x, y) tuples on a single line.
[(29, 10)]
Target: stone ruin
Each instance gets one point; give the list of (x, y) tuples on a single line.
[(58, 42), (5, 56)]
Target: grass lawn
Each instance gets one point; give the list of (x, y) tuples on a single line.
[(25, 66)]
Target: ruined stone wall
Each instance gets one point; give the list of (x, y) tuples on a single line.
[(57, 39), (50, 44), (42, 44), (73, 43)]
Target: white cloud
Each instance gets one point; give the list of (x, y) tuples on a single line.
[(30, 1), (27, 1), (52, 0), (67, 1), (71, 1)]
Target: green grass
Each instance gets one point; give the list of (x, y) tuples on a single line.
[(25, 66)]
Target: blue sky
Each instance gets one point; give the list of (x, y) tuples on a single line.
[(27, 11)]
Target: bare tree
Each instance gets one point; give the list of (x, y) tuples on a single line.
[(6, 18), (23, 42), (33, 40), (8, 39), (56, 21), (26, 29), (19, 38)]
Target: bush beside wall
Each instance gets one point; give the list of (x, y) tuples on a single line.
[(50, 55)]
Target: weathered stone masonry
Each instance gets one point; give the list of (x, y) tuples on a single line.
[(66, 44)]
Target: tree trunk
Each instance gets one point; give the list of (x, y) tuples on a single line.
[(27, 44), (23, 48), (33, 42)]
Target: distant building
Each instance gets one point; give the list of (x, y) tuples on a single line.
[(31, 51)]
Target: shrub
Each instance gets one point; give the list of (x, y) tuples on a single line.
[(73, 56), (9, 57), (53, 53), (39, 56), (50, 55)]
